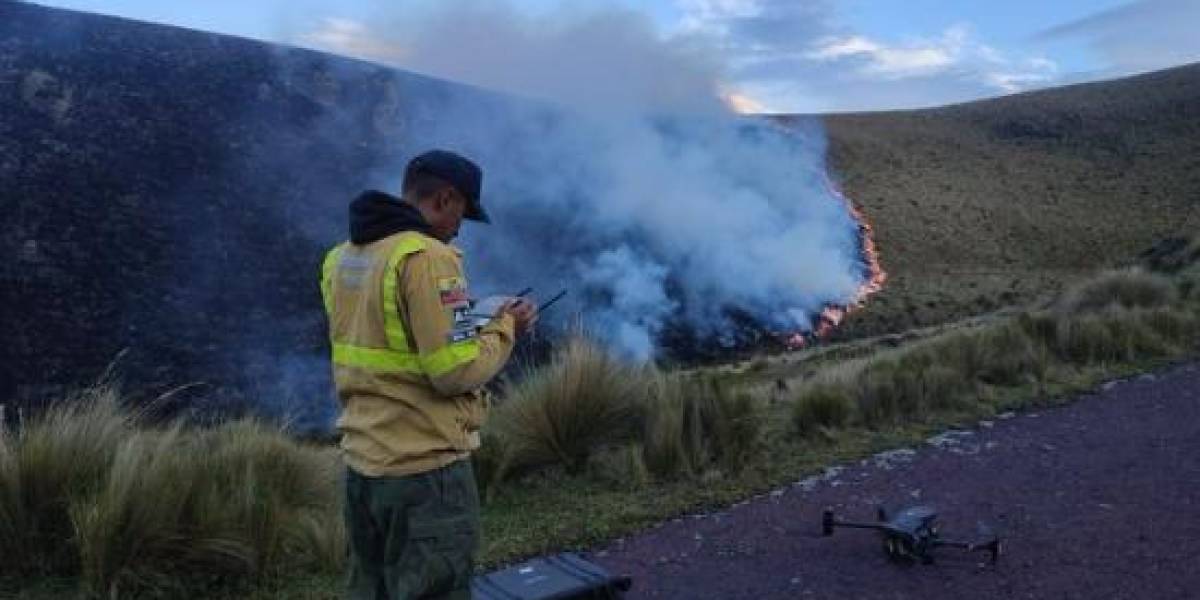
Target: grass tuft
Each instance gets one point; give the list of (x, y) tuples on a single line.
[(1127, 288), (88, 492), (561, 413), (822, 406), (672, 444)]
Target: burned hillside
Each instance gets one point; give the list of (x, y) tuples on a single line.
[(151, 205), (173, 192)]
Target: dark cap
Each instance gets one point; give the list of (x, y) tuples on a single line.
[(456, 170)]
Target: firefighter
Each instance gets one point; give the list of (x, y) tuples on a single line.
[(409, 363)]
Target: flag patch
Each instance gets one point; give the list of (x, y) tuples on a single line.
[(453, 291)]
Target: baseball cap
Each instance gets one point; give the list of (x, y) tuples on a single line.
[(457, 170)]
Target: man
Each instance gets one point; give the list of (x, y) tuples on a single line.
[(409, 362)]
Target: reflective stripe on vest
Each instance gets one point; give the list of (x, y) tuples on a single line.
[(396, 357), (327, 268)]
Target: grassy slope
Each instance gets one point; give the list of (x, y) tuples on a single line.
[(1049, 186), (1001, 201)]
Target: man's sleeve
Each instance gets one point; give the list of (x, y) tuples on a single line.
[(455, 356)]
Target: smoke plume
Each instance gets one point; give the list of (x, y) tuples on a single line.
[(627, 181)]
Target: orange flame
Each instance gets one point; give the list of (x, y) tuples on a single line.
[(833, 314)]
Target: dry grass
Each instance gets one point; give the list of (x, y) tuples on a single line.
[(1127, 288), (561, 413), (587, 407), (822, 406), (622, 467), (1003, 202), (88, 492), (672, 442), (1118, 317), (693, 423), (733, 426)]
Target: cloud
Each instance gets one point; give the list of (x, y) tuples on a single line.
[(1139, 36), (954, 55), (351, 38), (796, 57), (898, 61), (758, 55)]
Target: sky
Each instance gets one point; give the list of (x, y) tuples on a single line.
[(793, 56)]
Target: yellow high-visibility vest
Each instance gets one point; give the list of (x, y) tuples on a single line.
[(396, 357)]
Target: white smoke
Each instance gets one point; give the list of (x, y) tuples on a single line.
[(638, 305), (631, 184), (586, 58)]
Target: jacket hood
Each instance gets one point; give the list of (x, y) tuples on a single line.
[(375, 215)]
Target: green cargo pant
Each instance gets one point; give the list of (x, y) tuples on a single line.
[(413, 536)]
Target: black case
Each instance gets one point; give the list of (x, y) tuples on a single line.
[(560, 577)]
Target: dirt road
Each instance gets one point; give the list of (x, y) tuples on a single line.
[(1097, 499)]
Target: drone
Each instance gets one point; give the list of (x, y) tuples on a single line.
[(911, 534)]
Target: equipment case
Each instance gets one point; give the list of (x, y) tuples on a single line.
[(560, 577)]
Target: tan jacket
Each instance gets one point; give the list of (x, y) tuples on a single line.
[(419, 419)]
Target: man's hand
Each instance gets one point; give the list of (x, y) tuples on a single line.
[(524, 314)]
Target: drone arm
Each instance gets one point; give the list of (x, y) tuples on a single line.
[(829, 521), (858, 525), (992, 546)]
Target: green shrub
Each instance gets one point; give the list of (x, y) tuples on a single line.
[(1040, 326), (1087, 339), (60, 454), (960, 350), (1128, 288), (822, 405), (1009, 355), (691, 422), (882, 396), (268, 480), (944, 388), (1138, 340), (672, 437), (144, 525), (87, 492), (559, 413), (1177, 326), (623, 466), (1125, 335), (733, 424)]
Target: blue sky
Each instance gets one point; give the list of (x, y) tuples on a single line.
[(775, 55)]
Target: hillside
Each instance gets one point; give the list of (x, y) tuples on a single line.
[(169, 192), (999, 201), (168, 195)]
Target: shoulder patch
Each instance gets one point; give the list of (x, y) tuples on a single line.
[(463, 327), (461, 335), (453, 291)]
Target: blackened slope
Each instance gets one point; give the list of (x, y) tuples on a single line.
[(171, 192)]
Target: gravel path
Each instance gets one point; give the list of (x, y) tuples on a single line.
[(1098, 499)]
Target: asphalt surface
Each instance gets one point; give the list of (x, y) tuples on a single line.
[(1096, 499)]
